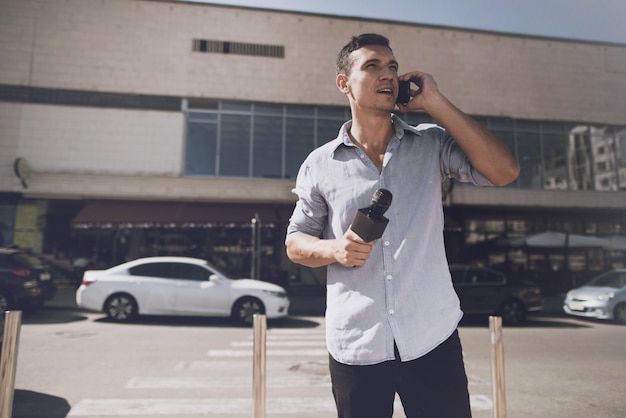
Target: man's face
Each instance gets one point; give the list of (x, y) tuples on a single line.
[(373, 79)]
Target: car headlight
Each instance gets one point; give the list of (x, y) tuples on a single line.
[(275, 293), (30, 283), (606, 297)]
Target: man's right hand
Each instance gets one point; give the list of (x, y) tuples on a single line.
[(350, 250)]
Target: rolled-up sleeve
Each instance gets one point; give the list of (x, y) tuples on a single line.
[(310, 214), (456, 164)]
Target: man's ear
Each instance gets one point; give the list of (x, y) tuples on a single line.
[(342, 83)]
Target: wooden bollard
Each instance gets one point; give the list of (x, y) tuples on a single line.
[(260, 328), (497, 367), (8, 361)]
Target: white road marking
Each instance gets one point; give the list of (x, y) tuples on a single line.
[(320, 337), (319, 331), (269, 353), (295, 381), (280, 343), (217, 407), (241, 363), (273, 343), (480, 403)]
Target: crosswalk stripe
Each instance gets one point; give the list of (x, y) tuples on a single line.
[(317, 331), (243, 363), (177, 407), (291, 337), (299, 344), (269, 353), (272, 343), (230, 382), (480, 403), (220, 407)]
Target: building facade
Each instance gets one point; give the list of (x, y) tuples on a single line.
[(133, 127)]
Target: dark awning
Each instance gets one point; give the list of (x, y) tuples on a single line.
[(112, 214)]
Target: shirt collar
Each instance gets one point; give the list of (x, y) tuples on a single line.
[(343, 138)]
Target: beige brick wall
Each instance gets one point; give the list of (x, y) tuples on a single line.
[(145, 47), (61, 139)]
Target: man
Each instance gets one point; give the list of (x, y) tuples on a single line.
[(392, 313)]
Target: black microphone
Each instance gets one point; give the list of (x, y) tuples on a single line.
[(369, 223)]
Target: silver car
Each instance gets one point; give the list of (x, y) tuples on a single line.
[(603, 297), (177, 286)]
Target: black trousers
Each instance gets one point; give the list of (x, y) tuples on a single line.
[(431, 386)]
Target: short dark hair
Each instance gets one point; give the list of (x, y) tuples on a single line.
[(343, 59)]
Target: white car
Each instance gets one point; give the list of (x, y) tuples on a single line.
[(603, 297), (177, 286)]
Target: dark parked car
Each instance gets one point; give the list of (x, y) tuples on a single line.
[(25, 282), (490, 292)]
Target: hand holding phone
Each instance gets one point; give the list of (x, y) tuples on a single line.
[(404, 91)]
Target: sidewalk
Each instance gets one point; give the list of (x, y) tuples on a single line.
[(300, 305)]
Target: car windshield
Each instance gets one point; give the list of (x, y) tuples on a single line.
[(611, 279)]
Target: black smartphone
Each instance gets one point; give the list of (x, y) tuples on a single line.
[(404, 92)]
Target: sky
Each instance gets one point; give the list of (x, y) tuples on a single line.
[(582, 20)]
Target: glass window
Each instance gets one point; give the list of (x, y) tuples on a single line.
[(620, 151), (162, 270), (338, 113), (527, 126), (191, 272), (305, 111), (300, 142), (327, 130), (501, 124), (201, 148), (558, 127), (484, 277), (267, 147), (529, 157), (553, 155), (268, 109), (555, 161), (236, 107), (235, 146)]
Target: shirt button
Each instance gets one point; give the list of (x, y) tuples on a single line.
[(387, 243), (389, 277), (391, 311)]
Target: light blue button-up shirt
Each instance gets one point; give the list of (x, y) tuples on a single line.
[(404, 291)]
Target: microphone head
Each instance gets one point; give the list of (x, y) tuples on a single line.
[(380, 202)]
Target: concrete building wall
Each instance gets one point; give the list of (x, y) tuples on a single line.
[(140, 46), (105, 141), (144, 47)]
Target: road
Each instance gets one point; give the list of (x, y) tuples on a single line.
[(77, 364)]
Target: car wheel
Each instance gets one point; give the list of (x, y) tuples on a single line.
[(120, 307), (619, 313), (513, 312), (245, 309), (5, 301)]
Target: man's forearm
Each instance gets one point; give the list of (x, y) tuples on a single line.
[(309, 251)]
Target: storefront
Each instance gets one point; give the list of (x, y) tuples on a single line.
[(106, 233)]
